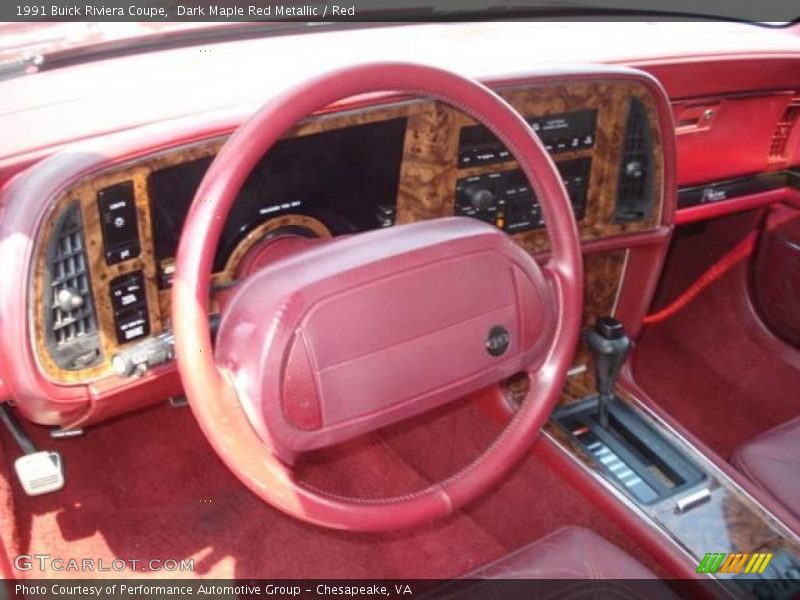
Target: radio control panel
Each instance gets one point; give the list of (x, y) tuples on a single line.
[(559, 133), (505, 198)]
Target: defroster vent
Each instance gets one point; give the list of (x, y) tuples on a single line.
[(635, 186), (69, 310)]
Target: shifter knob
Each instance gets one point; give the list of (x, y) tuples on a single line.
[(609, 346), (609, 328)]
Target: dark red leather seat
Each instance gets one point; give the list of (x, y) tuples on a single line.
[(568, 553), (772, 460)]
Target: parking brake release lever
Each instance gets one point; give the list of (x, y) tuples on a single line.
[(609, 345)]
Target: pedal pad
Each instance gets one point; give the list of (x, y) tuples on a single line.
[(40, 472)]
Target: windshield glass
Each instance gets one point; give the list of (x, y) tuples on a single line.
[(28, 47), (24, 46), (25, 39)]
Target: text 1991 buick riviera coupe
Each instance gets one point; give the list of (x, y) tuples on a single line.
[(506, 300)]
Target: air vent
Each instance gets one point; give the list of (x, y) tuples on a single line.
[(777, 151), (635, 186), (70, 317)]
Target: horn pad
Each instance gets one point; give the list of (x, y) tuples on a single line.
[(365, 331)]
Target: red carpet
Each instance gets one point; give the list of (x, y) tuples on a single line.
[(708, 364), (149, 486)]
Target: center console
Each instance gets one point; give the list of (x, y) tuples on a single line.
[(670, 484), (628, 450)]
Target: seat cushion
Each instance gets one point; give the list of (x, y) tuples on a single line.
[(568, 553), (597, 570), (772, 460)]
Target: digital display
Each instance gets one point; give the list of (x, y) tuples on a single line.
[(347, 178), (559, 133), (567, 131)]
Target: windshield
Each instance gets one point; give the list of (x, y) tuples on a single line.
[(18, 40), (24, 46), (29, 47)]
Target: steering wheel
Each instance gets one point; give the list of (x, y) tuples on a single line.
[(360, 332)]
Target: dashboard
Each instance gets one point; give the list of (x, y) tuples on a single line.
[(103, 253), (92, 207)]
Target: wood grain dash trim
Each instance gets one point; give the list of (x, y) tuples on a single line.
[(426, 190)]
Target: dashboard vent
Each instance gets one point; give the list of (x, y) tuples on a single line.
[(777, 150), (635, 186), (70, 316)]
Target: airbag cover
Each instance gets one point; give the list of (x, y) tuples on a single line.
[(364, 331)]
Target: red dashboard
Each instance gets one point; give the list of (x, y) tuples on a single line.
[(721, 124)]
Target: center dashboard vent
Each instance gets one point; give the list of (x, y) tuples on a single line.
[(69, 310), (780, 138), (635, 185)]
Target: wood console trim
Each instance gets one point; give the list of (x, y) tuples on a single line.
[(731, 521), (428, 174), (603, 276)]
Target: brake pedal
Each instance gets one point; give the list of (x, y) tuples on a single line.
[(39, 471)]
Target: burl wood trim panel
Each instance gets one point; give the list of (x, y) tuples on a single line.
[(85, 193), (603, 272), (138, 171), (430, 168), (426, 190)]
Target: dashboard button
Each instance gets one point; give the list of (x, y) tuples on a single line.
[(486, 155), (119, 222), (466, 158), (132, 324), (127, 291)]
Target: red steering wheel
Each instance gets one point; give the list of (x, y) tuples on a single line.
[(302, 359)]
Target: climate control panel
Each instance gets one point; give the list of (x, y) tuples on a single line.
[(506, 199)]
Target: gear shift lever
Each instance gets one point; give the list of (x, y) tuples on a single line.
[(610, 346)]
